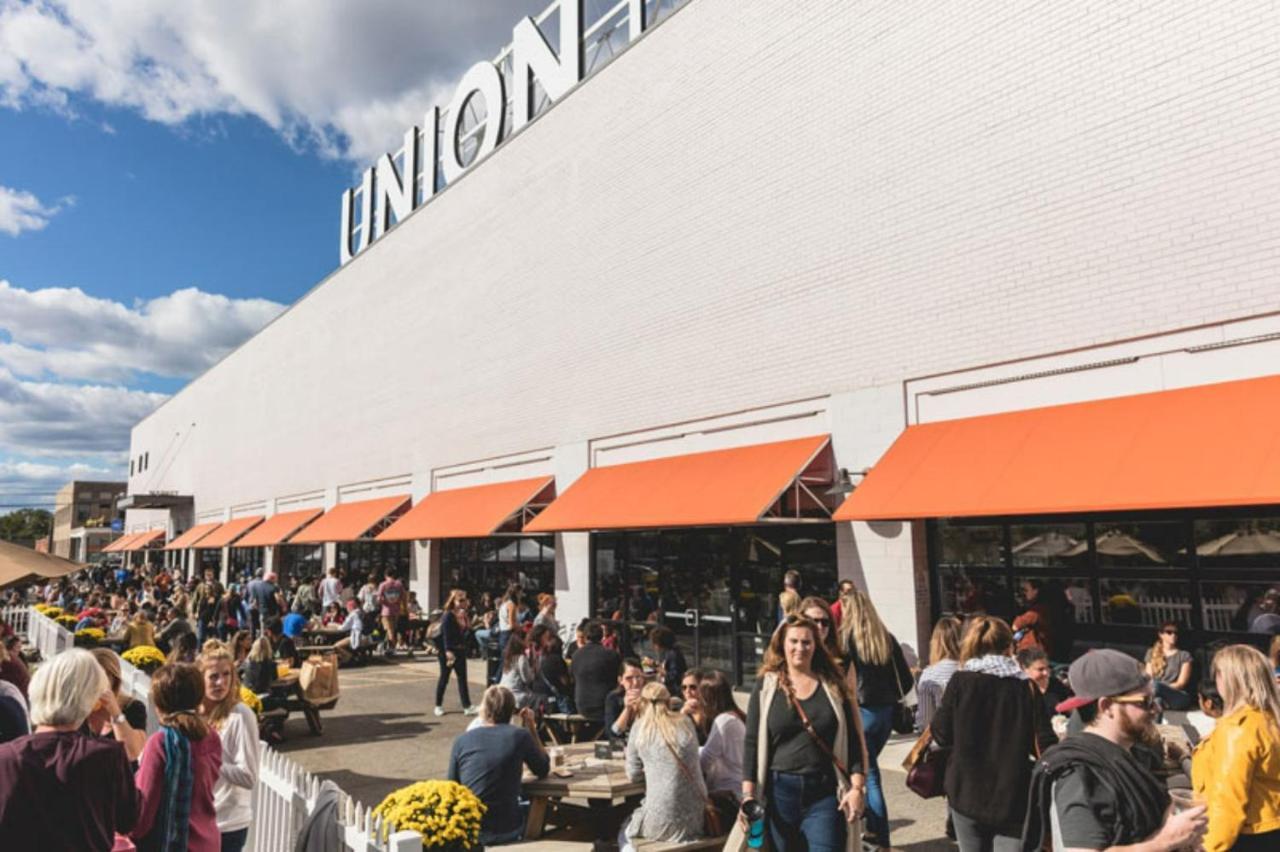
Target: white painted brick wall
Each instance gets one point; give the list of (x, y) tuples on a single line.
[(762, 202)]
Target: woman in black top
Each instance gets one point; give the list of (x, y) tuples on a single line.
[(993, 719), (812, 783), (118, 716), (453, 651)]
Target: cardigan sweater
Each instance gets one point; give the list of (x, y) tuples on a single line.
[(994, 727)]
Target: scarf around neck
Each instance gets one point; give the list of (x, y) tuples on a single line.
[(175, 808), (996, 664)]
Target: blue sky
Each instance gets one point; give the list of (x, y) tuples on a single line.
[(170, 177)]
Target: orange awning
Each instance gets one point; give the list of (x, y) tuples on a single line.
[(191, 536), (474, 512), (228, 532), (277, 528), (1212, 445), (143, 540), (119, 544), (744, 485), (350, 521)]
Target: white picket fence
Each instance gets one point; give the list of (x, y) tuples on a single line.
[(16, 617), (1157, 610), (286, 794)]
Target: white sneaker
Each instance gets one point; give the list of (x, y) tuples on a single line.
[(439, 711), (470, 711)]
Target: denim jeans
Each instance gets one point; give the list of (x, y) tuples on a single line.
[(803, 813), (233, 841), (1173, 699), (877, 724)]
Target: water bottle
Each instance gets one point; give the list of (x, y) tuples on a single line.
[(754, 812)]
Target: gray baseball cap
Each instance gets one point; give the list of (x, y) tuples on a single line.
[(1103, 673)]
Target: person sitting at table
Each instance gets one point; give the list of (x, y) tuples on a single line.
[(241, 643), (259, 669), (721, 757), (595, 673), (354, 625), (284, 646), (489, 760), (623, 704), (663, 753), (293, 625), (553, 679), (140, 630), (517, 673), (333, 615)]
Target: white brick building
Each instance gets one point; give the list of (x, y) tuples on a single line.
[(767, 221)]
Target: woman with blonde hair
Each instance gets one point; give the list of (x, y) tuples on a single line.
[(179, 768), (884, 679), (944, 659), (1236, 768), (801, 756), (662, 751), (117, 716), (237, 725), (1170, 668)]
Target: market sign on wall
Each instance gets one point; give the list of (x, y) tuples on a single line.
[(445, 147)]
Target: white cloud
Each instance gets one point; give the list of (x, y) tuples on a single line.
[(66, 333), (35, 483), (52, 419), (21, 211), (345, 78)]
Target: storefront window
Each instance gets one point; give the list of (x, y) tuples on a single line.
[(1241, 607), (1072, 594), (1246, 543), (1144, 602), (962, 545), (360, 559), (299, 560), (245, 561), (1151, 544), (965, 592), (487, 566), (716, 589), (209, 558), (1049, 545)]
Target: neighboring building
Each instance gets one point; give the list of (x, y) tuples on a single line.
[(82, 516), (640, 353)]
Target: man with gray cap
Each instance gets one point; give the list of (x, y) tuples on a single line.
[(1089, 791)]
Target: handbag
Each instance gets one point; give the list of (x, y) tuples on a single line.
[(926, 768), (712, 819)]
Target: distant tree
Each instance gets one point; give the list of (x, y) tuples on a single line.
[(26, 524)]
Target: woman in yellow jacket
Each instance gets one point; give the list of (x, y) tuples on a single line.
[(1236, 769)]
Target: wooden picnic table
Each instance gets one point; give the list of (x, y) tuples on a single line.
[(324, 635), (592, 779)]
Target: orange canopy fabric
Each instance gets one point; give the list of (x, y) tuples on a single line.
[(228, 532), (717, 488), (120, 544), (141, 540), (1212, 445), (191, 536), (277, 528), (474, 512), (349, 521)]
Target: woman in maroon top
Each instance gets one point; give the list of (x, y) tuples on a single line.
[(61, 791), (180, 764)]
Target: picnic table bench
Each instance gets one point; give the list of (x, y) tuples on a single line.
[(295, 701)]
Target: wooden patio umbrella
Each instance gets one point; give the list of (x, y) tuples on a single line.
[(18, 564)]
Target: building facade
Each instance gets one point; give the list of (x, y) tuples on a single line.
[(82, 516), (762, 223)]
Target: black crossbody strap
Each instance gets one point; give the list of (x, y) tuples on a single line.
[(808, 727)]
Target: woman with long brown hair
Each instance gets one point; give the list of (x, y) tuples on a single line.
[(237, 725), (944, 659), (801, 754), (721, 755), (452, 651), (884, 678), (1170, 668), (1236, 768), (180, 765)]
